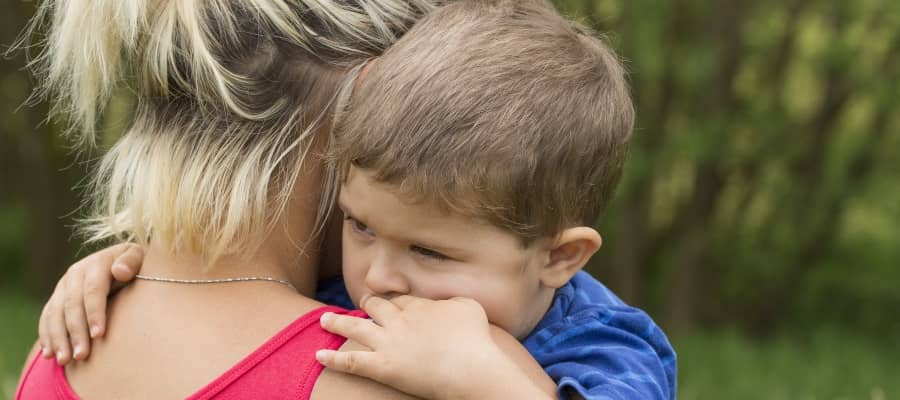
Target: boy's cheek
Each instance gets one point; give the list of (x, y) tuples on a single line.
[(501, 318), (515, 317)]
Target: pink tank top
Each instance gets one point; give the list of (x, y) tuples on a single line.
[(284, 367)]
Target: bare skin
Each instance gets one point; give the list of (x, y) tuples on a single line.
[(120, 326), (525, 376)]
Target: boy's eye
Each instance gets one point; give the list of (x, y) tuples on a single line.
[(359, 226), (428, 253)]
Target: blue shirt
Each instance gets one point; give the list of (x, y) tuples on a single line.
[(590, 342)]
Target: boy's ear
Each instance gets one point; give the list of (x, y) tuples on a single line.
[(570, 251)]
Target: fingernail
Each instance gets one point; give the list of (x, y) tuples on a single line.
[(326, 318), (45, 352), (119, 265), (59, 357), (95, 331), (320, 355), (78, 350)]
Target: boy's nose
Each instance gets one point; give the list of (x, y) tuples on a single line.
[(384, 279)]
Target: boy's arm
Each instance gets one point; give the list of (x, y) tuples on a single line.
[(514, 350), (435, 349)]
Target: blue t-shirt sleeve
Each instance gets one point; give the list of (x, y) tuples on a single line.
[(333, 292), (593, 344), (599, 360)]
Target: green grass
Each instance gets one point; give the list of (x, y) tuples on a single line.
[(824, 365)]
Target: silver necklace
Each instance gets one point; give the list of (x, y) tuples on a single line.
[(222, 280)]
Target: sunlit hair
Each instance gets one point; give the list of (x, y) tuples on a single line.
[(229, 94), (500, 110)]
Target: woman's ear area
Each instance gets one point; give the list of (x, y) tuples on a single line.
[(571, 250)]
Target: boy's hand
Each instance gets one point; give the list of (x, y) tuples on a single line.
[(76, 311), (432, 349)]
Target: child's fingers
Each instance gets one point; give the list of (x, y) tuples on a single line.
[(75, 318), (469, 302), (379, 309), (360, 330), (44, 326), (52, 323), (464, 300), (366, 364), (96, 290), (405, 301), (59, 337)]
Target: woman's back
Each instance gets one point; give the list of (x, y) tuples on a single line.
[(169, 341)]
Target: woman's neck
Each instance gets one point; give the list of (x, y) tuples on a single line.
[(291, 251), (272, 260)]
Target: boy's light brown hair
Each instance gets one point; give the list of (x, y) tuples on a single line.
[(499, 110)]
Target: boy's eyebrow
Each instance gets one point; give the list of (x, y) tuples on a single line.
[(452, 251), (455, 251)]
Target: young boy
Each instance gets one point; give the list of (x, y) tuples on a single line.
[(474, 155)]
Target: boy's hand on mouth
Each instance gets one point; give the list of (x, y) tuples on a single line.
[(435, 349)]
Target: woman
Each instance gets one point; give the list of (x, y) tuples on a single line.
[(218, 178)]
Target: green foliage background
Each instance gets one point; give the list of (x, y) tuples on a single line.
[(762, 190), (758, 220)]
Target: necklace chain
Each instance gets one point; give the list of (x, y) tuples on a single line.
[(221, 280)]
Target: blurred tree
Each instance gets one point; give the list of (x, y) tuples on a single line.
[(37, 165), (761, 124)]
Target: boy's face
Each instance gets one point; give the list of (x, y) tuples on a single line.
[(391, 248)]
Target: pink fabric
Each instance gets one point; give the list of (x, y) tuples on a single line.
[(284, 367)]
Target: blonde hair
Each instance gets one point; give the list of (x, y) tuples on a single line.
[(229, 95), (500, 110)]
